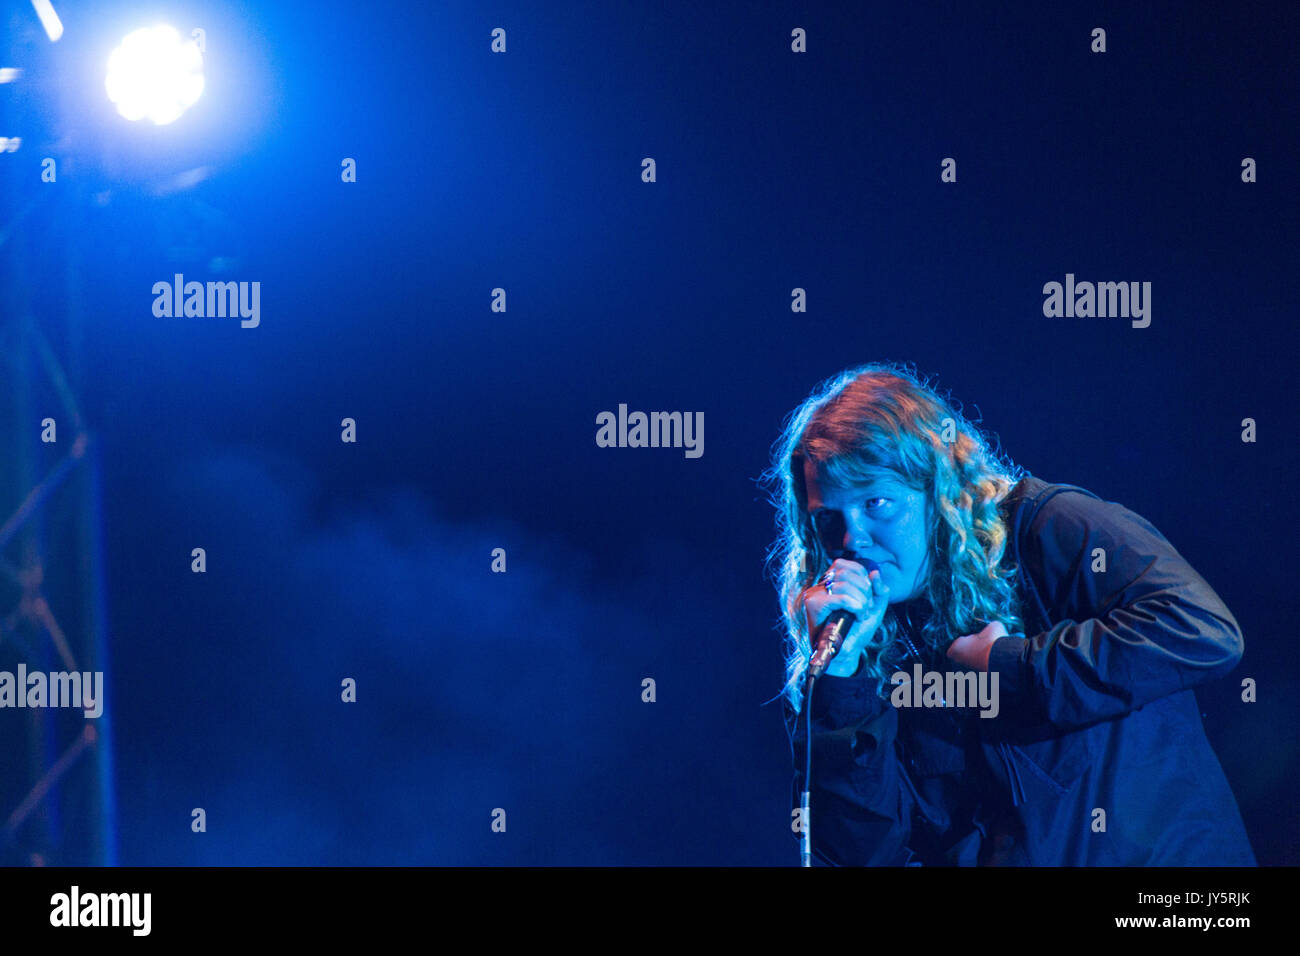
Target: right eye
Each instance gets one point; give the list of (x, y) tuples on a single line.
[(829, 528)]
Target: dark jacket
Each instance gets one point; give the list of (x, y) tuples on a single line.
[(1096, 713)]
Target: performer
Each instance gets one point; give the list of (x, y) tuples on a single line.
[(1094, 626)]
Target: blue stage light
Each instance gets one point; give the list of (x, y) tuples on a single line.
[(155, 74)]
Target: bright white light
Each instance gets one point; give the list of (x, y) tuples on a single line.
[(49, 19), (155, 74)]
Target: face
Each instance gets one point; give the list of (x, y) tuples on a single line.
[(884, 520)]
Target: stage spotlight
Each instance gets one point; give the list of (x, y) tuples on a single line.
[(155, 74)]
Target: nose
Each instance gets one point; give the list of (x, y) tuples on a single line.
[(857, 534), (845, 534)]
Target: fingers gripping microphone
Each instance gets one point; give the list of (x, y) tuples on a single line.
[(834, 630), (829, 639)]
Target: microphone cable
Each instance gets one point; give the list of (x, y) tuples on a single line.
[(805, 818)]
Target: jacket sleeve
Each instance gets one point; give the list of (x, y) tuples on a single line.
[(860, 810), (1145, 627)]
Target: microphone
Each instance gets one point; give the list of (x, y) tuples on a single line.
[(834, 630)]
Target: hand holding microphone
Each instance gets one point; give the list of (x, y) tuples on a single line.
[(843, 616)]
